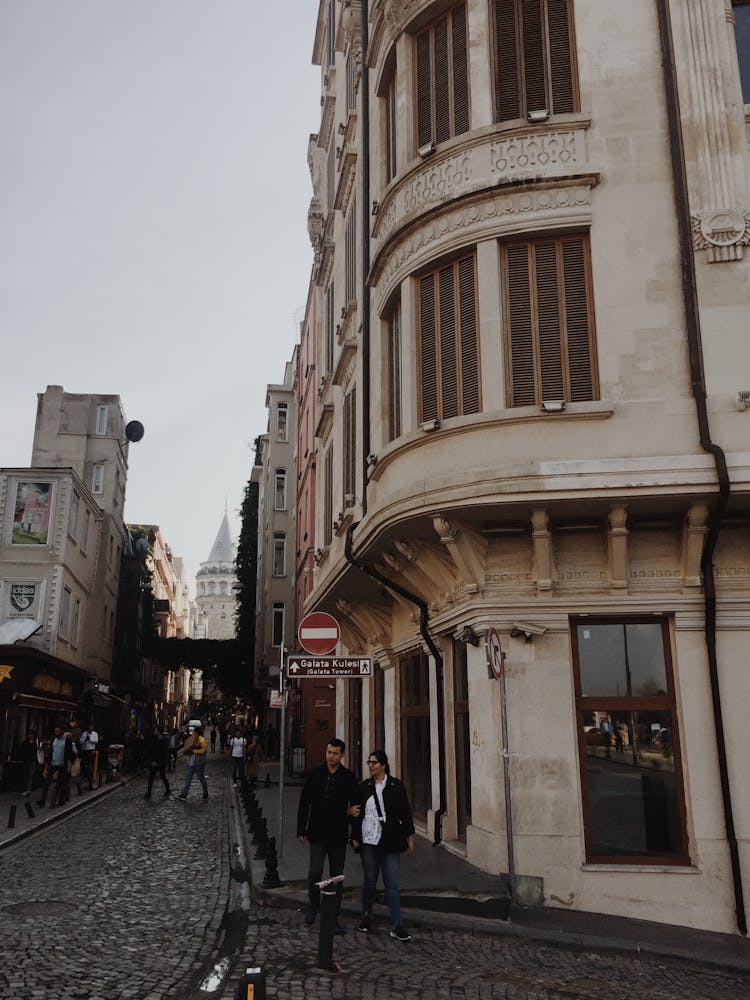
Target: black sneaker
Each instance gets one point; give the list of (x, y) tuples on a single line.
[(310, 915), (400, 933), (363, 926), (183, 798)]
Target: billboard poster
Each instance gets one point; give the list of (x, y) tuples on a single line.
[(32, 514), (24, 599)]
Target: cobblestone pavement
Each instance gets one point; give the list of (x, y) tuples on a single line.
[(451, 965), (123, 899), (126, 900)]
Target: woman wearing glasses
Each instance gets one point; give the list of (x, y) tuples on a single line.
[(383, 831)]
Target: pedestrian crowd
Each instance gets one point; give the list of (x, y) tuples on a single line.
[(373, 815)]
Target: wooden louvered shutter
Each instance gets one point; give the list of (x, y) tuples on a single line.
[(560, 56), (441, 81), (428, 349), (394, 374), (534, 55), (424, 88), (328, 497), (507, 86), (579, 323), (460, 71), (549, 326), (521, 341), (469, 342), (448, 374)]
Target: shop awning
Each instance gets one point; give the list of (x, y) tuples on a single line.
[(50, 704)]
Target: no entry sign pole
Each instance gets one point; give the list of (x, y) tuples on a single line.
[(282, 755)]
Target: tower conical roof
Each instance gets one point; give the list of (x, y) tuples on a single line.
[(223, 548)]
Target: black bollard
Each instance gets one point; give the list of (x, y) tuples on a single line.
[(12, 817), (262, 852), (29, 811), (252, 986), (271, 879), (330, 903)]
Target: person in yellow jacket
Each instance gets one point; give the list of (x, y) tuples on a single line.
[(194, 748)]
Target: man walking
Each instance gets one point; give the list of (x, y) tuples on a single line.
[(195, 747), (329, 797), (158, 761), (87, 744)]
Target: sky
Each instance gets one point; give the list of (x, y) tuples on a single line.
[(154, 190)]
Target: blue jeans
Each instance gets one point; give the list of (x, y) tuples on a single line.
[(190, 770), (373, 863), (237, 763)]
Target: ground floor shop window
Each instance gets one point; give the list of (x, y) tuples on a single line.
[(415, 731), (631, 771), (463, 738)]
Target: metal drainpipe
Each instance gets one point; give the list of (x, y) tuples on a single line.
[(692, 321), (370, 571)]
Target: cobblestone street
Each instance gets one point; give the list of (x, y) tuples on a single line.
[(126, 900)]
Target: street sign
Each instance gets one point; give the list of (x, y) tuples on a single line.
[(318, 633), (329, 666), (495, 655)]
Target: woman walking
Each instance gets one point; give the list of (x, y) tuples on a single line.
[(383, 831)]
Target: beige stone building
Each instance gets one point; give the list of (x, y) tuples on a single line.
[(533, 380), (215, 600)]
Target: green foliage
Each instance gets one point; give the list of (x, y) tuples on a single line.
[(221, 660), (246, 563)]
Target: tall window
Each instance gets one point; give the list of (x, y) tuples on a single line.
[(631, 771), (550, 320), (331, 33), (350, 254), (463, 737), (282, 429), (75, 505), (279, 554), (350, 447), (415, 731), (328, 497), (330, 328), (75, 624), (85, 531), (331, 173), (279, 492), (742, 38), (389, 108), (277, 631), (64, 625), (534, 59), (448, 342), (101, 420), (394, 373), (97, 480), (351, 82), (442, 79)]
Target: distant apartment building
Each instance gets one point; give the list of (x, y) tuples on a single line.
[(531, 280), (60, 548), (276, 530)]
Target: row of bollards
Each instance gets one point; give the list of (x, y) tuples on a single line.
[(265, 846), (12, 814)]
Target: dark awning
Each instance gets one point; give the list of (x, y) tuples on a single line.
[(51, 704)]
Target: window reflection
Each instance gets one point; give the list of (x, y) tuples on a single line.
[(622, 660), (632, 791)]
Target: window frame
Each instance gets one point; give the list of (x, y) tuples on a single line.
[(520, 54), (414, 691), (279, 554), (394, 351), (280, 486), (282, 426), (101, 420), (422, 143), (537, 330), (666, 703), (97, 479)]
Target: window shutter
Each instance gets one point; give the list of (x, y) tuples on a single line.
[(507, 87), (518, 296), (428, 348), (579, 323), (424, 89), (394, 374), (469, 344), (448, 380), (328, 497), (549, 320), (533, 55), (561, 69), (460, 72), (442, 83)]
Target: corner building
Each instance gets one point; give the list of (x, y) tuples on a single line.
[(529, 222)]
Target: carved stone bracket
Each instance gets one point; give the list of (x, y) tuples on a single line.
[(722, 234), (617, 546), (467, 550), (693, 539), (543, 555), (373, 622)]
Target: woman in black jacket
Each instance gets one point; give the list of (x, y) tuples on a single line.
[(383, 831)]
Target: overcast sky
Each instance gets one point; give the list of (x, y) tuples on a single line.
[(154, 190)]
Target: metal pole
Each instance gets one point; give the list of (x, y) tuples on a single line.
[(506, 776), (282, 745)]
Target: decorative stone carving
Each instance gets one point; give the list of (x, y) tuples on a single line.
[(438, 182), (543, 557), (467, 549), (721, 233), (316, 228), (693, 539), (617, 545), (538, 150)]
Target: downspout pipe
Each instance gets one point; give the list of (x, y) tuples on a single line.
[(370, 571), (692, 322)]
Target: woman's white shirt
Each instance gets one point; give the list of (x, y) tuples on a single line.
[(238, 744), (371, 826)]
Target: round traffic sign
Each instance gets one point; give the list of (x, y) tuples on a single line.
[(318, 633), (495, 653)]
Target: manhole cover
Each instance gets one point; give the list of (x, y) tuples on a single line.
[(39, 908)]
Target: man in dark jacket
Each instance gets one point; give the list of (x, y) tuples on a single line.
[(158, 761), (329, 797)]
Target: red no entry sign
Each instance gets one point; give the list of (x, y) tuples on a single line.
[(319, 633)]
